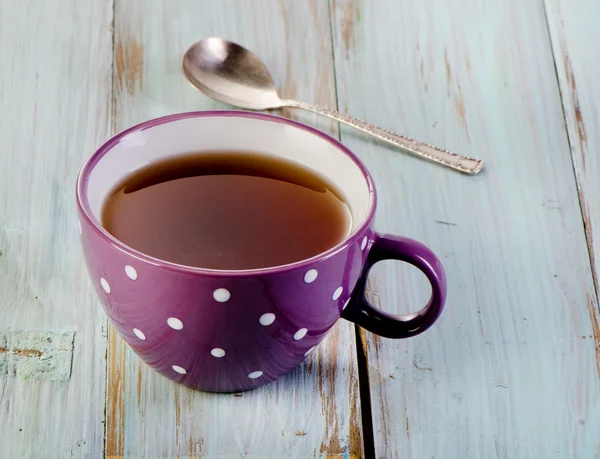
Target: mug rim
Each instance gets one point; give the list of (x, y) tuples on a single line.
[(87, 214)]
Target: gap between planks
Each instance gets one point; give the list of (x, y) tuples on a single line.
[(580, 192)]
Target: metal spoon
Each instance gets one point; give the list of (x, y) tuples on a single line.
[(232, 74)]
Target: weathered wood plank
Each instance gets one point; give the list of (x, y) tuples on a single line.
[(147, 414), (55, 75), (511, 369), (575, 36)]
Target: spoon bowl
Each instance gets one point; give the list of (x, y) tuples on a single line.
[(230, 73)]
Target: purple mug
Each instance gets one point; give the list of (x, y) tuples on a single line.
[(225, 331)]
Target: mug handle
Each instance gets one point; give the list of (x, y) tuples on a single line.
[(362, 312)]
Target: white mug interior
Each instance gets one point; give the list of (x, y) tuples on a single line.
[(227, 131)]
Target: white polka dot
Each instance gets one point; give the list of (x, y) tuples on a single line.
[(104, 285), (255, 374), (267, 319), (139, 334), (300, 334), (175, 323), (79, 225), (218, 352), (338, 293), (131, 272), (363, 244), (310, 350), (179, 369), (221, 295), (310, 275), (346, 304)]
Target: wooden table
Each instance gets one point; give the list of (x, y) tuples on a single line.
[(511, 370)]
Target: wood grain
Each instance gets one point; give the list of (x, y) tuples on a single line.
[(575, 35), (313, 411), (511, 369), (55, 75)]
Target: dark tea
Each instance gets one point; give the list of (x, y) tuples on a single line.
[(227, 210)]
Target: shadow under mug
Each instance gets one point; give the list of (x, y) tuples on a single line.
[(224, 331)]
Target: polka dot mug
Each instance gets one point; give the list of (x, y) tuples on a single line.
[(225, 331)]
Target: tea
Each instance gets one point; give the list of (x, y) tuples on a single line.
[(227, 210)]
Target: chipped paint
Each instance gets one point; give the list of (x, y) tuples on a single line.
[(355, 445), (22, 352), (592, 307), (129, 64), (289, 89), (327, 372), (36, 355), (448, 69), (458, 99), (139, 385), (349, 17), (589, 232), (581, 132), (115, 389), (459, 104)]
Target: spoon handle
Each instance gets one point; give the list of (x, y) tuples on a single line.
[(437, 155)]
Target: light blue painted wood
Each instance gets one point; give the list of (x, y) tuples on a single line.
[(575, 36), (314, 411), (55, 71), (511, 368)]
